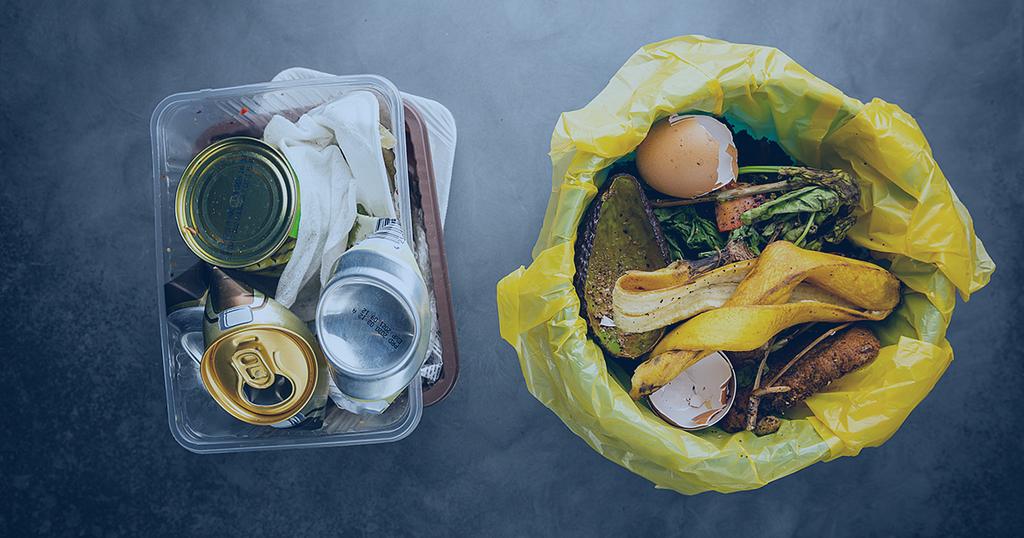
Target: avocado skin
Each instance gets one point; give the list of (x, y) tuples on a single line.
[(618, 233)]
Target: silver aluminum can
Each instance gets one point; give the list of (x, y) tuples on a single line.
[(373, 318)]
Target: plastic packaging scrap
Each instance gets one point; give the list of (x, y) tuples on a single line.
[(909, 217)]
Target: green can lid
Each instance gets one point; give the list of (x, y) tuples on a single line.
[(237, 202)]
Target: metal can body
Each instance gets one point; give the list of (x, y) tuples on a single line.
[(237, 205), (373, 317), (261, 363)]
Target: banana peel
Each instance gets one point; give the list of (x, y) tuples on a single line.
[(766, 302), (640, 309), (783, 265), (647, 300), (683, 271)]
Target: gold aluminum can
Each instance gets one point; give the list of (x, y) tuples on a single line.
[(261, 364), (237, 205), (266, 375)]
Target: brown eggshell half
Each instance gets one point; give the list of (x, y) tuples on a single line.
[(681, 157)]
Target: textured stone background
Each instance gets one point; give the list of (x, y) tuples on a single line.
[(86, 448)]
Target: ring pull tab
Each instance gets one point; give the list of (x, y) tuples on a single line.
[(251, 362)]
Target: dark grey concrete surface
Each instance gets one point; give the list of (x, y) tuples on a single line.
[(86, 448)]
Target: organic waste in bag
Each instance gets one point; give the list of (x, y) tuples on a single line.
[(908, 218)]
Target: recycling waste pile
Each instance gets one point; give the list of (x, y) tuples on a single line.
[(741, 271), (300, 262)]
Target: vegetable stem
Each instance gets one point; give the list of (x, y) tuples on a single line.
[(730, 194), (810, 221), (760, 169)]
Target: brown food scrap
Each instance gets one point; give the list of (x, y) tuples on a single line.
[(736, 419), (831, 359), (767, 425)]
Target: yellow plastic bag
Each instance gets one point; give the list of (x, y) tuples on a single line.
[(908, 215)]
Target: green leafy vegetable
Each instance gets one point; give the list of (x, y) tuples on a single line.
[(750, 237), (689, 236), (815, 207), (809, 216)]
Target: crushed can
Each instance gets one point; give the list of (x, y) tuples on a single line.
[(261, 363), (373, 320)]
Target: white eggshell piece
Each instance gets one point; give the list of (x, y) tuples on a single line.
[(699, 396)]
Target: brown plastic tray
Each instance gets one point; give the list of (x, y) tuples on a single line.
[(421, 182)]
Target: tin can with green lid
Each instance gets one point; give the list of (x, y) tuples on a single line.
[(237, 205)]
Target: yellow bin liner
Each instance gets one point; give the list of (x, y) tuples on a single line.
[(908, 216)]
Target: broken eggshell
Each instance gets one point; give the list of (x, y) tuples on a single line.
[(700, 396), (687, 156)]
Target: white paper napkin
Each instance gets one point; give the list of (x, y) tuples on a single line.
[(441, 133), (336, 150)]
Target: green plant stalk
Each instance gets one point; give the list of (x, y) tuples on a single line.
[(761, 169)]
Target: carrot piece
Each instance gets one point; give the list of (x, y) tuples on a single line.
[(728, 212)]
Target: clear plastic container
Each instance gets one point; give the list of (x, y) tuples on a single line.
[(181, 126)]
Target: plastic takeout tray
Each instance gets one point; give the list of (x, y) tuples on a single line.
[(181, 125)]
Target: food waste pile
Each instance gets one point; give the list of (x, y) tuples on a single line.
[(710, 247)]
